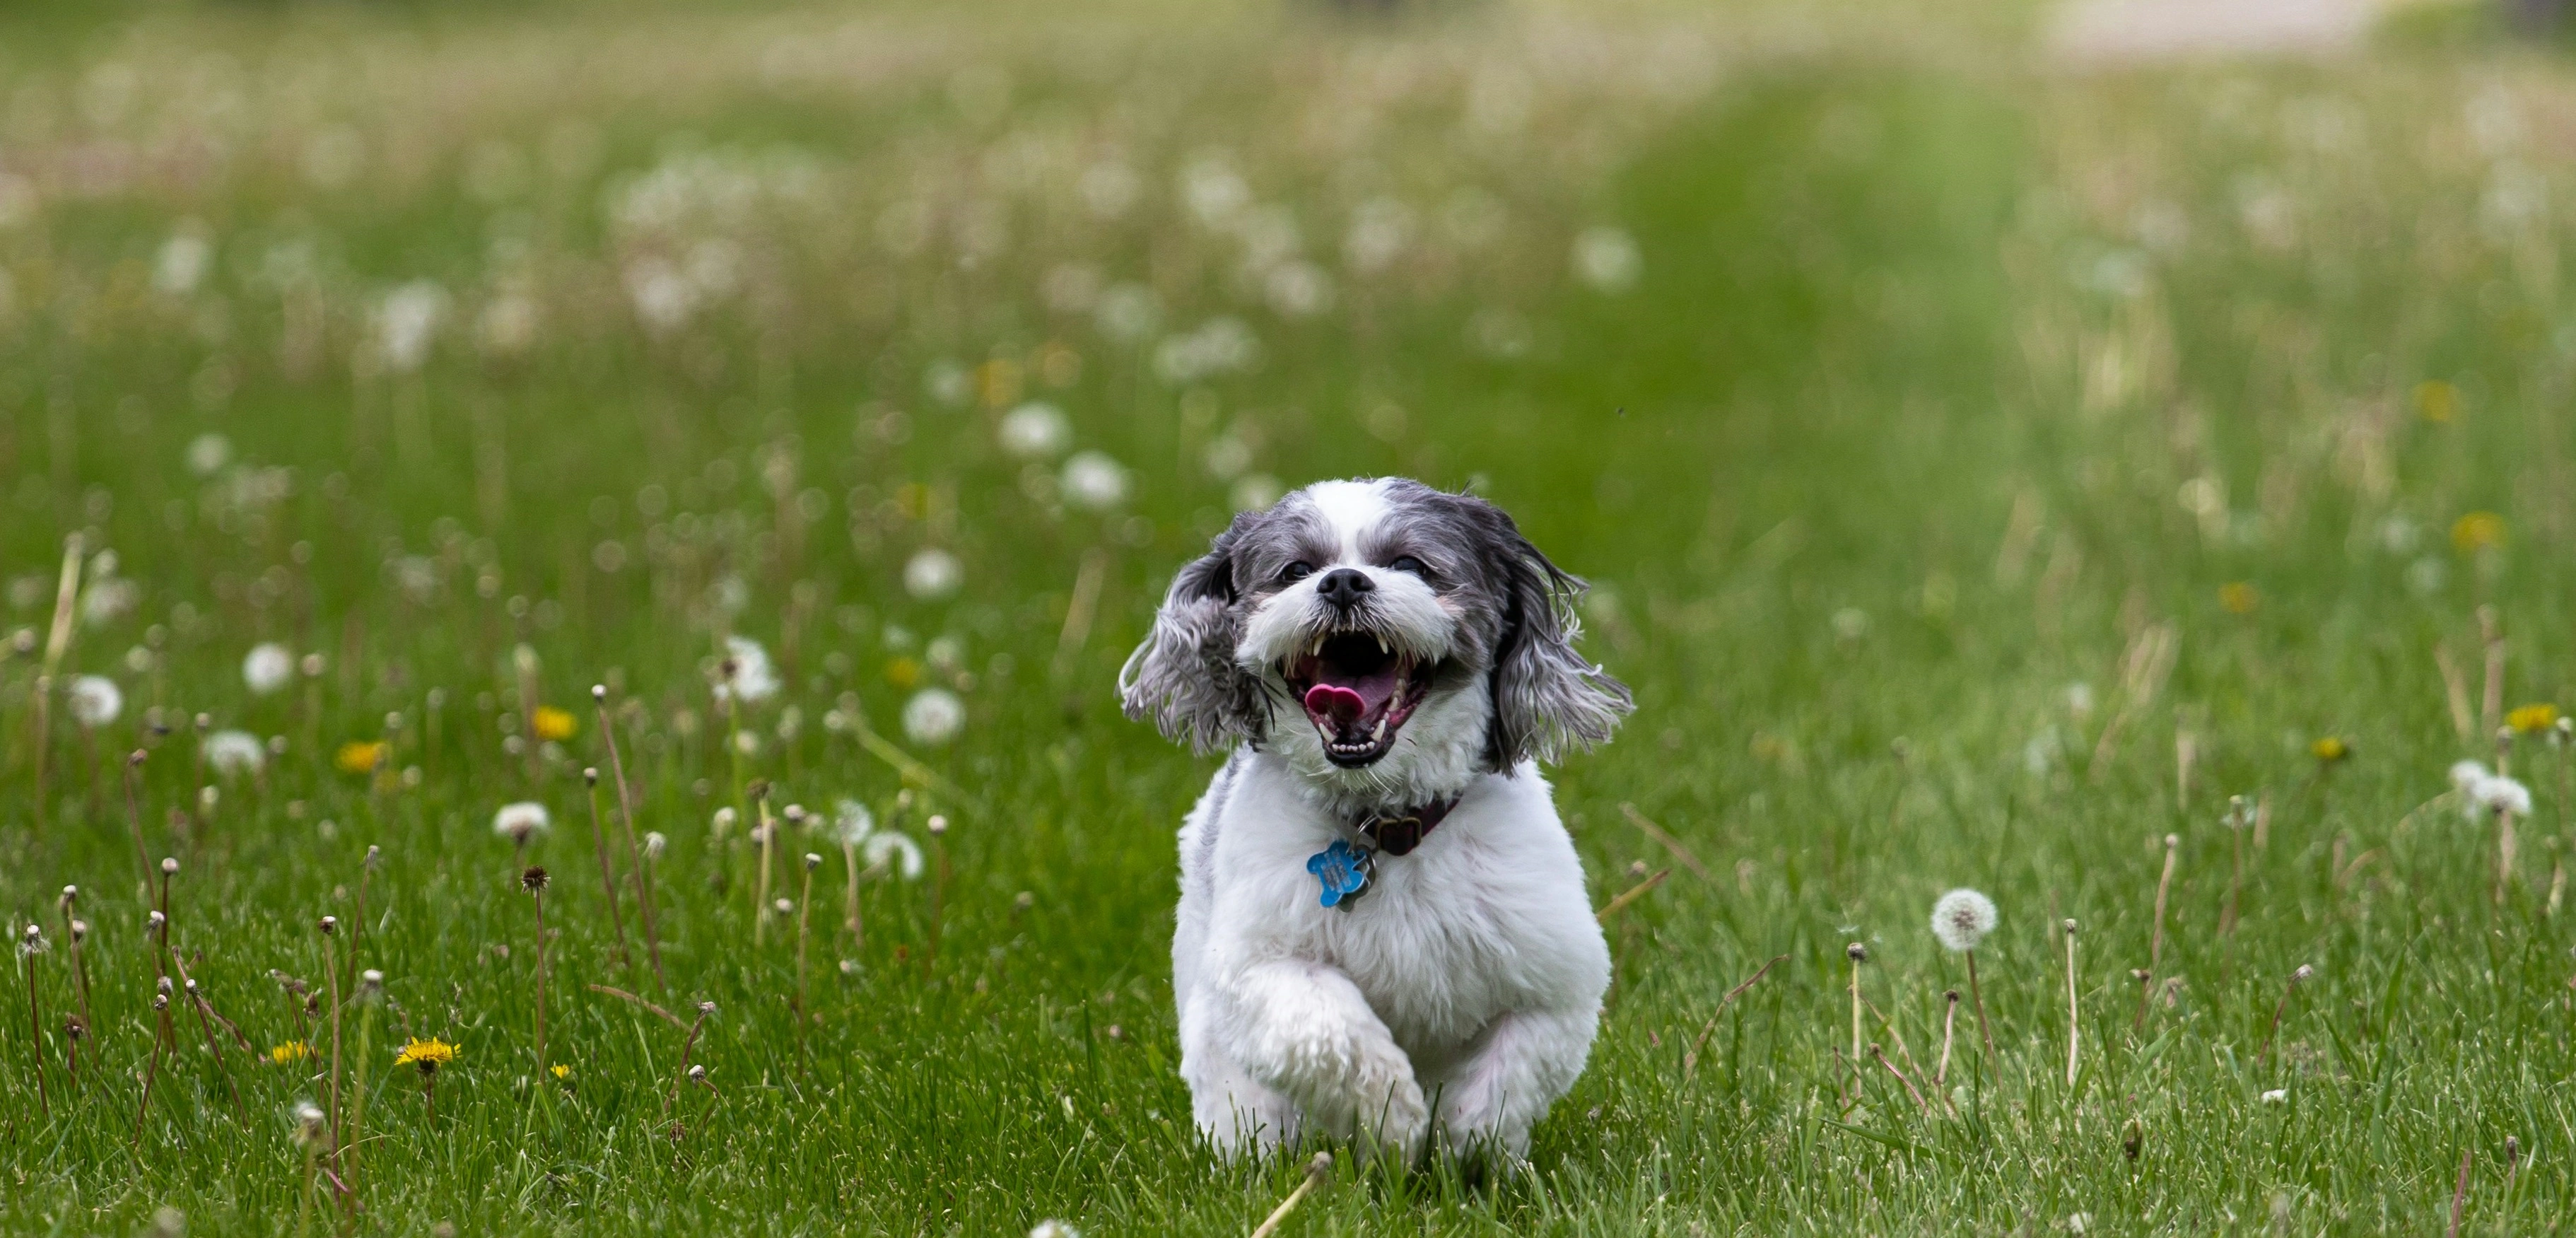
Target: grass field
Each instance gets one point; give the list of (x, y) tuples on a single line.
[(1984, 469)]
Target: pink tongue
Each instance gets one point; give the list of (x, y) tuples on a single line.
[(1340, 704)]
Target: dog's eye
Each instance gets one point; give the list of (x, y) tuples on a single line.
[(1407, 563), (1296, 571)]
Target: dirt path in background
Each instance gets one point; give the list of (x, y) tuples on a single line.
[(2116, 30)]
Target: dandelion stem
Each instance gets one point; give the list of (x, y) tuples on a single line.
[(768, 844), (634, 854), (1949, 1018), (1919, 1102), (152, 1072), (331, 974), (358, 922), (804, 914), (2460, 1192), (2506, 852), (1977, 998), (687, 1044), (36, 1030), (72, 934), (1317, 1170), (367, 995), (1690, 1063), (607, 873), (539, 894), (2072, 1013), (850, 900), (2156, 942), (1855, 952), (2265, 1053), (133, 815)]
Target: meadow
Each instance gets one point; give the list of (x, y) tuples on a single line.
[(2124, 491)]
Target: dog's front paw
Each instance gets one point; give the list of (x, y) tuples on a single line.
[(1392, 1113)]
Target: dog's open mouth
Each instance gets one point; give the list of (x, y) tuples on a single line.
[(1357, 692)]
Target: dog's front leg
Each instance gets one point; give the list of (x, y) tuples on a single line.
[(1303, 1029), (1520, 1064)]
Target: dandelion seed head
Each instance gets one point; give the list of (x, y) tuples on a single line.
[(267, 668), (896, 850), (96, 700), (233, 753), (2467, 774), (852, 823), (2496, 794), (1962, 918), (746, 672), (521, 822), (1094, 481), (932, 574), (1035, 431), (933, 717)]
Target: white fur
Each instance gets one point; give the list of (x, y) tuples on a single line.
[(1458, 995), (1464, 985)]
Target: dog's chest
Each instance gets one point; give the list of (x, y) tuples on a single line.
[(1429, 945)]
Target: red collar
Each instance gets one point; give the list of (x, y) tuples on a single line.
[(1399, 831)]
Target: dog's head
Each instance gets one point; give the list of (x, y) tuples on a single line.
[(1386, 638)]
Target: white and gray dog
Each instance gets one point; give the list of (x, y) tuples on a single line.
[(1384, 932)]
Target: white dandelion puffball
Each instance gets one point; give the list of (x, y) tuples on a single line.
[(1607, 259), (232, 753), (852, 823), (749, 672), (2500, 795), (1054, 1229), (521, 821), (2467, 774), (932, 574), (893, 849), (268, 668), (1035, 431), (96, 700), (208, 454), (1962, 918), (933, 716), (1094, 481), (407, 322)]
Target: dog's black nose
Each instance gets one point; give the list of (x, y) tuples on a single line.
[(1343, 587)]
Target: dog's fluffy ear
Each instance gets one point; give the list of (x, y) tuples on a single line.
[(1184, 676), (1547, 700)]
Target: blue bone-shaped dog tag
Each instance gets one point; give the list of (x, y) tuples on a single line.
[(1342, 870)]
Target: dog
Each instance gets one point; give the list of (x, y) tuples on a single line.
[(1383, 933)]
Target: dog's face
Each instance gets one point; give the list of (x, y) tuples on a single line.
[(1386, 638)]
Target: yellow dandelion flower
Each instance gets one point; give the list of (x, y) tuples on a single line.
[(2477, 531), (2437, 401), (998, 381), (2330, 750), (561, 1071), (903, 673), (2238, 597), (361, 756), (428, 1054), (555, 724), (290, 1053), (2532, 719)]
